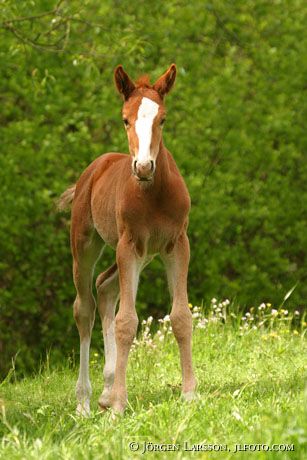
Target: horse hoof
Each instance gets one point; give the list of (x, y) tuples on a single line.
[(189, 396)]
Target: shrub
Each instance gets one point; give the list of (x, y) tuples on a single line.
[(236, 128)]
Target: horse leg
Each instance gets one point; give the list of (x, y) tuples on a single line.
[(107, 297), (126, 322), (177, 263), (84, 313)]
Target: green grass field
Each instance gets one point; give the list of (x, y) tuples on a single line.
[(252, 390)]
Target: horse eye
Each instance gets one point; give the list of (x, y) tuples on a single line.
[(126, 122), (162, 122)]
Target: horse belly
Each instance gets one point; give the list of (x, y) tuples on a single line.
[(104, 219)]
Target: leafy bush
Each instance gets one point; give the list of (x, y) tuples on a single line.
[(236, 128)]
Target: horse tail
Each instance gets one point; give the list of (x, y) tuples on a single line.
[(66, 199)]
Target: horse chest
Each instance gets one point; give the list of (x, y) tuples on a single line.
[(153, 230), (156, 219)]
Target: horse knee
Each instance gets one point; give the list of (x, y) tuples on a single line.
[(125, 329), (181, 324), (84, 312), (84, 308)]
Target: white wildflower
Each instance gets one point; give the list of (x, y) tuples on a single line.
[(38, 443), (237, 416)]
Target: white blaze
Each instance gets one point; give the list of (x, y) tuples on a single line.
[(143, 127)]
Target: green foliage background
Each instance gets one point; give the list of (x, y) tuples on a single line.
[(236, 127)]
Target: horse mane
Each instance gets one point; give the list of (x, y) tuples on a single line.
[(143, 82)]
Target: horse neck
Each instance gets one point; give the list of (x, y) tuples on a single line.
[(162, 167)]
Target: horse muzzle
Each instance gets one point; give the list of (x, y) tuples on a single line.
[(143, 170)]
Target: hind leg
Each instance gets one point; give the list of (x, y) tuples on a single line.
[(85, 257), (107, 297)]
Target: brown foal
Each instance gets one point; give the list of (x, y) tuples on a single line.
[(139, 205)]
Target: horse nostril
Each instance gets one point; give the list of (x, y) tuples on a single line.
[(134, 166), (152, 165)]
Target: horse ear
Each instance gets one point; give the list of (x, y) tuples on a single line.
[(165, 83), (123, 82)]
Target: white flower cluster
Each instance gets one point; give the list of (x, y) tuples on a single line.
[(261, 317)]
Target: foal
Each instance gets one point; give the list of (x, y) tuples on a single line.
[(139, 205)]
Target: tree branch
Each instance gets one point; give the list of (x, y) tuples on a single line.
[(36, 16)]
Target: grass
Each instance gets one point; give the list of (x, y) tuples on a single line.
[(252, 390)]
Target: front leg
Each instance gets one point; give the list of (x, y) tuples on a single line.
[(126, 321), (176, 264)]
